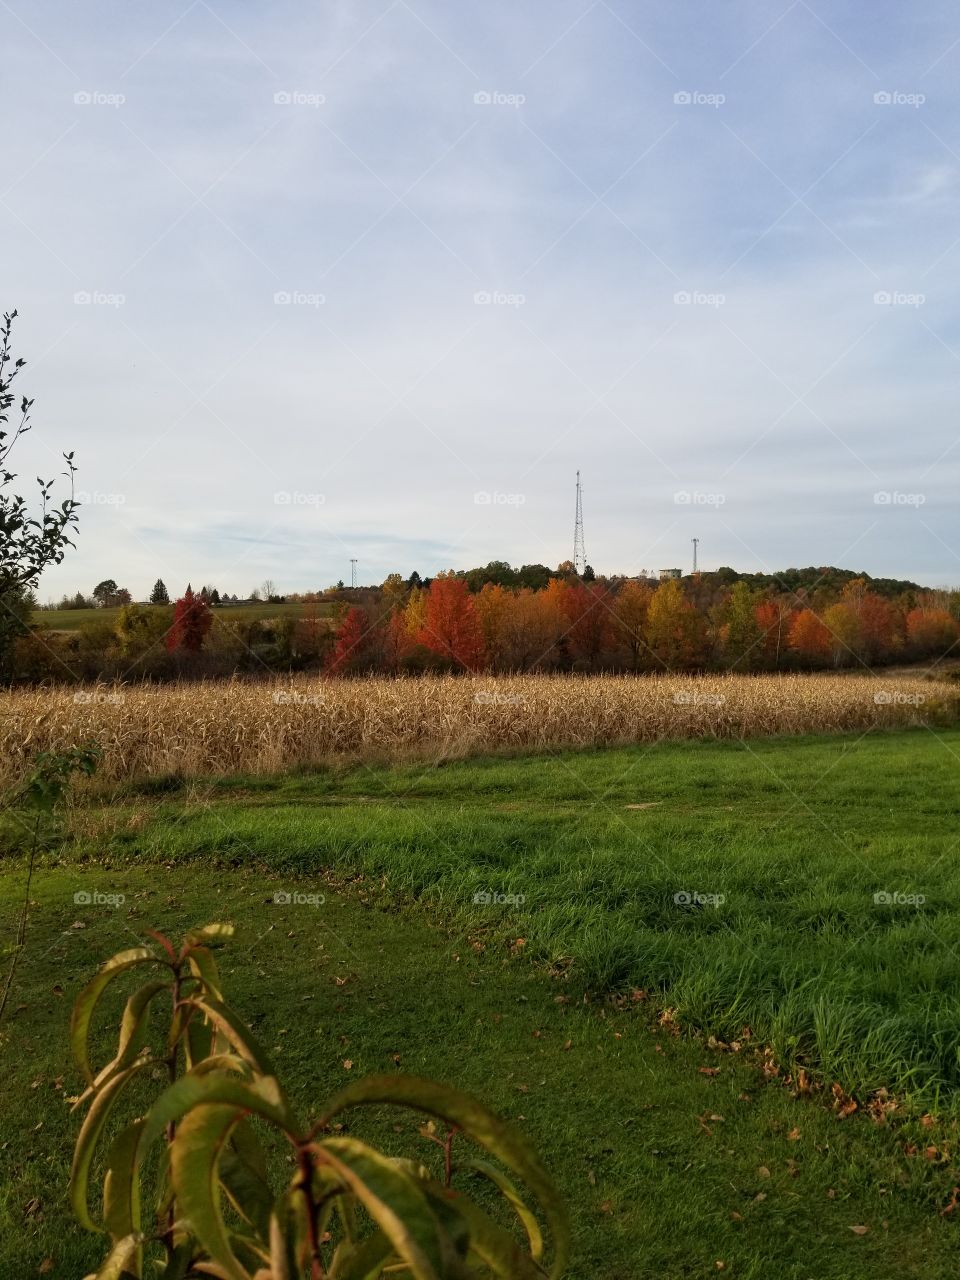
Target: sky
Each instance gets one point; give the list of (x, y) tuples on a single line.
[(302, 284)]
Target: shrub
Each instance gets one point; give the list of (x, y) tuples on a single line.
[(348, 1212)]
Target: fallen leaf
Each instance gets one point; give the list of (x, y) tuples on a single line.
[(348, 1064), (859, 1231), (709, 1071), (763, 1171), (793, 1135)]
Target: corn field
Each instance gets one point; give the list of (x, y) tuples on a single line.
[(216, 728)]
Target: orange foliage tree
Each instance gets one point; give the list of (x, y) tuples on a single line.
[(451, 628), (810, 639)]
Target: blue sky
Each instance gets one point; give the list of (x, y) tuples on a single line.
[(375, 279)]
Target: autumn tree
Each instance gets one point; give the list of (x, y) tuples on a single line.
[(491, 604), (630, 611), (353, 643), (740, 633), (930, 632), (676, 632), (450, 625), (530, 631), (810, 639), (590, 632), (192, 620), (773, 618), (842, 620), (139, 629)]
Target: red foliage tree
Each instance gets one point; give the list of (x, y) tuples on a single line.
[(352, 643), (192, 620), (450, 624), (590, 635)]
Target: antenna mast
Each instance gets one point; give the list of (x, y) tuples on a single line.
[(579, 554), (695, 541), (353, 572)]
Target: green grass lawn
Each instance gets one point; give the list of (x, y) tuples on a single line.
[(796, 836), (667, 1171)]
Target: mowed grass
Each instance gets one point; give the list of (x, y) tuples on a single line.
[(668, 1170), (736, 882)]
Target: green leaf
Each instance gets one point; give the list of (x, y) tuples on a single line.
[(511, 1194), (227, 1022), (477, 1123), (87, 1000), (204, 966), (201, 1138), (116, 1266), (489, 1242), (394, 1200), (288, 1236), (262, 1097), (209, 933), (121, 1186), (133, 1027), (244, 1177), (90, 1132), (361, 1261)]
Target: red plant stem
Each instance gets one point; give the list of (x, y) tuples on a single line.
[(306, 1184)]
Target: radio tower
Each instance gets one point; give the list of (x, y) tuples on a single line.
[(579, 554), (694, 541), (353, 573)]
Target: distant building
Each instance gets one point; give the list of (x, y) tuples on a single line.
[(666, 574)]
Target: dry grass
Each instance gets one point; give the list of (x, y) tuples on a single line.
[(262, 726)]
